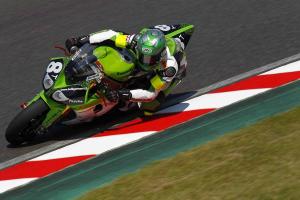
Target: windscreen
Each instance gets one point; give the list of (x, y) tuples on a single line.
[(81, 64)]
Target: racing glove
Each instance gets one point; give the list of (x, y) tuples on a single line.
[(116, 95), (72, 42)]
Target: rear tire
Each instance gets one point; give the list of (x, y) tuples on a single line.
[(23, 127)]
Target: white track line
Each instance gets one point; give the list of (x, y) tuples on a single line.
[(292, 67), (93, 146), (9, 184), (214, 100)]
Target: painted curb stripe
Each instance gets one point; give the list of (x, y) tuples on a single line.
[(134, 130), (10, 184), (31, 169), (262, 81), (93, 146), (155, 123), (291, 67), (215, 100)]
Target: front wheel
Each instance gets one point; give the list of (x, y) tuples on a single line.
[(24, 126)]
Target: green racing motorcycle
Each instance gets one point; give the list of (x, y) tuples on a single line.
[(74, 87)]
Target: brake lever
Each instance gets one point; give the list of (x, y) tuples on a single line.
[(63, 49)]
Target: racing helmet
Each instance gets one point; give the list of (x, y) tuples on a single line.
[(151, 49)]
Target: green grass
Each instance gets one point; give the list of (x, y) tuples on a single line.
[(258, 162)]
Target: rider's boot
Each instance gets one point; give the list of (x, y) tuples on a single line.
[(149, 108), (126, 106)]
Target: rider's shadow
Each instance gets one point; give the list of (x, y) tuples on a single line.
[(111, 121), (165, 118), (151, 123)]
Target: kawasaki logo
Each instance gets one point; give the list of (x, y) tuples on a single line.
[(146, 50)]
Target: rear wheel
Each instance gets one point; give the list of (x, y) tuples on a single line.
[(26, 124)]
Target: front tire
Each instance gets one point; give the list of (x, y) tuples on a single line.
[(24, 126)]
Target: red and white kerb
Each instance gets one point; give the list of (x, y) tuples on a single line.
[(134, 130)]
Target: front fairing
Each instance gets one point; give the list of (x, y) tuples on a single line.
[(72, 78)]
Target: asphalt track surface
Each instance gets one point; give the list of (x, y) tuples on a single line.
[(231, 37)]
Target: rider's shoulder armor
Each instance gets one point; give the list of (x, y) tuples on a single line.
[(125, 41), (174, 45), (171, 44)]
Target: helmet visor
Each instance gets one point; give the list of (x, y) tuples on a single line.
[(147, 60)]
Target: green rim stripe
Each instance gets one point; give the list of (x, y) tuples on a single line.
[(180, 31)]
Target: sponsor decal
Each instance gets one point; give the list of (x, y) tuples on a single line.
[(146, 50), (163, 27)]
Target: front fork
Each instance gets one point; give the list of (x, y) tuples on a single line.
[(56, 110)]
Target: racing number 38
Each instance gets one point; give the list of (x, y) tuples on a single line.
[(54, 68), (52, 72)]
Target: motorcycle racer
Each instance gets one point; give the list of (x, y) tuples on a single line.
[(160, 58)]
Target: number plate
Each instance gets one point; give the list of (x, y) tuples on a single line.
[(52, 72)]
